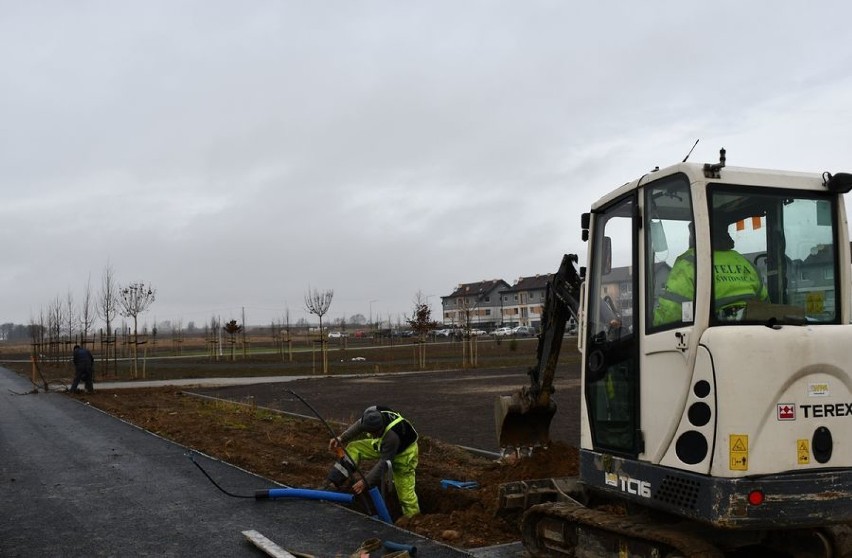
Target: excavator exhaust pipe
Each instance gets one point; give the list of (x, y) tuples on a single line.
[(521, 425)]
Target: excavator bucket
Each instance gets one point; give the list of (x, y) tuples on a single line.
[(520, 425)]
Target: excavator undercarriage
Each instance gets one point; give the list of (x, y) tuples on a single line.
[(561, 518)]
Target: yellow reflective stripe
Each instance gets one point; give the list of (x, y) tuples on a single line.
[(393, 423), (377, 442)]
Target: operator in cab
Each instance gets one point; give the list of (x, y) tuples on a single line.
[(735, 282)]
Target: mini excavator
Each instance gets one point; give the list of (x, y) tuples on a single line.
[(720, 430)]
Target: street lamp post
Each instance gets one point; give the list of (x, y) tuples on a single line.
[(371, 313)]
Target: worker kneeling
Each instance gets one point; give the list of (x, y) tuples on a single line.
[(391, 440)]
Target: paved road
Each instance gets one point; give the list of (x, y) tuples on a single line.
[(453, 406), (77, 482)]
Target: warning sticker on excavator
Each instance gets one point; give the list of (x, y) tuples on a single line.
[(815, 302), (804, 452), (738, 452)]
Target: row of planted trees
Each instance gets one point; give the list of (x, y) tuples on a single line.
[(421, 322), (63, 321)]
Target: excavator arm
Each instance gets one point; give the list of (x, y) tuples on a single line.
[(523, 418)]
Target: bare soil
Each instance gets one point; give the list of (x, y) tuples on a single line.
[(292, 451)]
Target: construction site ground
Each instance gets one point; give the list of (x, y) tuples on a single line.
[(92, 480)]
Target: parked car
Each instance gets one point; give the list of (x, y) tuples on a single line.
[(502, 332), (477, 332), (337, 334), (523, 331)]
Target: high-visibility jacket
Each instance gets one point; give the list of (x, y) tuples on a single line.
[(735, 282)]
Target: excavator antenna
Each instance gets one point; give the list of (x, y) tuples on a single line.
[(690, 151)]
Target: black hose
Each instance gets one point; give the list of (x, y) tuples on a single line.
[(200, 468), (334, 435)]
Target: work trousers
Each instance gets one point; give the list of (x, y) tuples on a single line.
[(84, 374), (403, 467)]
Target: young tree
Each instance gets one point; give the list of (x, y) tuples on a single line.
[(232, 329), (318, 303), (55, 319), (421, 323), (106, 306), (133, 300), (87, 312), (287, 329), (70, 316)]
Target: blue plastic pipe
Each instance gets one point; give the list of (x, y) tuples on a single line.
[(379, 502), (393, 546), (305, 494)]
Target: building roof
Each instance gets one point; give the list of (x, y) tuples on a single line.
[(532, 283), (622, 274), (479, 289)]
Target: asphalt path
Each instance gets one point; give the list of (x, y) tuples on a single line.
[(455, 406), (75, 481)]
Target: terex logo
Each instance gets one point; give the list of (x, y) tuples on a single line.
[(629, 485), (827, 410)]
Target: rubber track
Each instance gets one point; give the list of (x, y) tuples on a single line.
[(620, 526)]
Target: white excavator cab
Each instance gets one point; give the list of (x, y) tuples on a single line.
[(717, 346), (714, 329)]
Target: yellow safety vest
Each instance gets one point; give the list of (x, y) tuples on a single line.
[(735, 281)]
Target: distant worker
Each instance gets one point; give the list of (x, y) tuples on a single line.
[(735, 282), (84, 369), (392, 441)]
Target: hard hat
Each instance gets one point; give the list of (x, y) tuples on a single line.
[(371, 420)]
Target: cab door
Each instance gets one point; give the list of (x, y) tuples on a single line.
[(670, 270), (611, 372)]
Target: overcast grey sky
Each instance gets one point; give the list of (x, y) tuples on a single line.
[(233, 153)]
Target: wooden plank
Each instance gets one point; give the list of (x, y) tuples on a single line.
[(266, 545)]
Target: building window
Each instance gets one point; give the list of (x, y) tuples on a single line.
[(488, 311), (487, 299)]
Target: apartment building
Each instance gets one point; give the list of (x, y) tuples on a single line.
[(494, 303), (476, 305)]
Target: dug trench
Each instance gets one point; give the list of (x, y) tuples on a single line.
[(234, 427)]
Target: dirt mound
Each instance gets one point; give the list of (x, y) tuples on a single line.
[(293, 452)]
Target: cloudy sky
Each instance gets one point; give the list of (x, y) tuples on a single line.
[(234, 154)]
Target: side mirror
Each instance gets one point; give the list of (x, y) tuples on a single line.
[(839, 183)]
